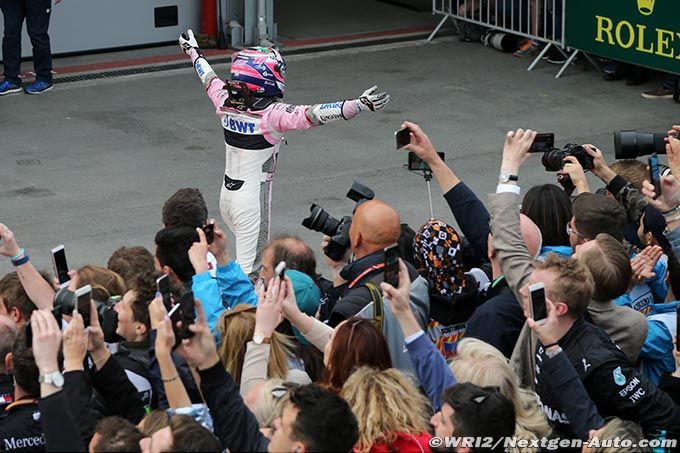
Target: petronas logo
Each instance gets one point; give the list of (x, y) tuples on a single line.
[(646, 7), (619, 378)]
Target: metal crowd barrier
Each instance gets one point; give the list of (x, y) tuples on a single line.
[(541, 20)]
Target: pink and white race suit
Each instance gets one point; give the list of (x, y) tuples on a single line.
[(252, 138)]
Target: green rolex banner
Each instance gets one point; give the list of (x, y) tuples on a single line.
[(642, 32)]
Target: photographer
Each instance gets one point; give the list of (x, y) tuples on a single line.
[(375, 225)]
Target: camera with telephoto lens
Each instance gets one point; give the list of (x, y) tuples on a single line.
[(338, 230), (65, 301), (553, 160), (633, 144)]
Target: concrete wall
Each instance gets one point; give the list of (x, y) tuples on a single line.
[(82, 25)]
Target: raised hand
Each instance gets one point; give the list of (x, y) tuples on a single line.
[(218, 247), (644, 262), (398, 297), (75, 343), (370, 100), (198, 253), (269, 312), (8, 243), (199, 350), (187, 42), (420, 143), (573, 168), (46, 341), (516, 149), (669, 197), (673, 154), (546, 332)]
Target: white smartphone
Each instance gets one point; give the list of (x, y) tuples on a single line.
[(60, 266), (539, 309), (84, 297), (280, 270)]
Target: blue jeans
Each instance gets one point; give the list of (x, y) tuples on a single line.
[(37, 16)]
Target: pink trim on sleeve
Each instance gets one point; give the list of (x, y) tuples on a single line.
[(216, 92), (287, 117)]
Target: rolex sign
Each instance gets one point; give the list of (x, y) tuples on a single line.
[(642, 32)]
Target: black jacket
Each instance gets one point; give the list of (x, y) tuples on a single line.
[(567, 389), (6, 392), (499, 320), (58, 425), (472, 217), (448, 311), (612, 382), (118, 393), (78, 393), (235, 426), (355, 296), (21, 430), (670, 385)]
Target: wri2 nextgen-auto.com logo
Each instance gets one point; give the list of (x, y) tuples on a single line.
[(644, 38)]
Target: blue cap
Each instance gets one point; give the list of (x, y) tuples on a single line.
[(308, 297)]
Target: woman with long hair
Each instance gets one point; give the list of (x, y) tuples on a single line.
[(237, 327), (483, 365), (392, 413), (355, 342)]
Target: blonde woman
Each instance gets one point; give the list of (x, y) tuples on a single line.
[(237, 328), (392, 413), (483, 365)]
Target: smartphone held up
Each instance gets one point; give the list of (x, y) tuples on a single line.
[(539, 309), (60, 266), (392, 265), (403, 137), (655, 174)]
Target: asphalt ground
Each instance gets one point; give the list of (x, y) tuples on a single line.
[(90, 164)]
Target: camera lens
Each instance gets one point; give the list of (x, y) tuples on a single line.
[(319, 220), (632, 144), (66, 300), (553, 160)]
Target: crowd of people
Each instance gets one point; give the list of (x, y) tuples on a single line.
[(293, 361)]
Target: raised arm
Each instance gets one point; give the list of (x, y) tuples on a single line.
[(286, 117), (214, 87), (467, 208), (235, 425), (515, 261), (37, 288), (430, 366)]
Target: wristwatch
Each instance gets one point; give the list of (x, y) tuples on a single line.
[(56, 379), (259, 338), (504, 177), (550, 355)]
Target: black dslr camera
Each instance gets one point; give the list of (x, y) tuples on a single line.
[(338, 230), (553, 160), (65, 302)]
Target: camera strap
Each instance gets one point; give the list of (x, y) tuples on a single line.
[(375, 267), (376, 297)]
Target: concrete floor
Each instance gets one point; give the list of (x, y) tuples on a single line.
[(294, 17), (90, 164)]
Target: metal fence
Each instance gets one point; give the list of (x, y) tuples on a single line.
[(540, 20)]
